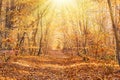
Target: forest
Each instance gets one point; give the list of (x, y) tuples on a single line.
[(59, 39)]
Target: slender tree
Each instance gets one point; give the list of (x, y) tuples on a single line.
[(115, 31), (42, 14), (0, 7)]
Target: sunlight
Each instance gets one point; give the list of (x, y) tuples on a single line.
[(60, 3)]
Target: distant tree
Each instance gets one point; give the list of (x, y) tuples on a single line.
[(42, 14)]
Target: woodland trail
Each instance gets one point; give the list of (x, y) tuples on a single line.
[(58, 54), (58, 67)]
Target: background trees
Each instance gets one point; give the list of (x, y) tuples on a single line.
[(82, 27)]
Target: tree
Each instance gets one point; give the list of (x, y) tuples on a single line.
[(0, 7), (115, 32), (42, 14)]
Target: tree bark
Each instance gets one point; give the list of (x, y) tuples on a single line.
[(115, 32), (41, 37), (9, 13), (0, 7)]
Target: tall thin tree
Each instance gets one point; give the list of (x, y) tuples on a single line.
[(115, 31)]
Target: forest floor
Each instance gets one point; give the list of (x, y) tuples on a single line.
[(58, 67)]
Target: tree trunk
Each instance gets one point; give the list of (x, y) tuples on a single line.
[(7, 24), (115, 32), (41, 37), (0, 7), (9, 13)]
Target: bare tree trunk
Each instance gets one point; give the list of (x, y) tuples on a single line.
[(9, 14), (21, 40), (7, 24), (34, 35), (12, 7), (46, 40), (0, 23), (85, 37), (0, 7), (34, 40), (115, 32), (41, 37), (42, 14)]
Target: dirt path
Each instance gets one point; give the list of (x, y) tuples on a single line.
[(58, 54), (57, 67)]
